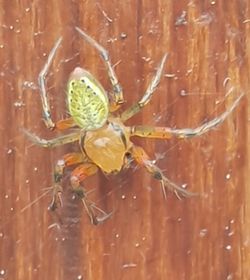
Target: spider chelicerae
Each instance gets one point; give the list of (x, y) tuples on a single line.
[(99, 127)]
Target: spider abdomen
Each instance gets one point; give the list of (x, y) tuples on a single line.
[(87, 100)]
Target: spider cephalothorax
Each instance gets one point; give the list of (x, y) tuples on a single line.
[(103, 137)]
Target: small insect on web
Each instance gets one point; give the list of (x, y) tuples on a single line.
[(104, 139)]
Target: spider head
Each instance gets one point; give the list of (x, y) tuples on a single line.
[(87, 100)]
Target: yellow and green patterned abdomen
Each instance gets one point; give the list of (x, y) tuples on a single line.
[(87, 100)]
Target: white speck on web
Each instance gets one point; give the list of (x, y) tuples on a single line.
[(203, 232), (128, 265)]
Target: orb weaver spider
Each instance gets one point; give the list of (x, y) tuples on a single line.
[(103, 137)]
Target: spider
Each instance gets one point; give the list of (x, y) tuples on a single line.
[(103, 137)]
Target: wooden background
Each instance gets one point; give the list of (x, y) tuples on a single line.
[(207, 237)]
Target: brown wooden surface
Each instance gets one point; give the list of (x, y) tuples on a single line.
[(207, 237)]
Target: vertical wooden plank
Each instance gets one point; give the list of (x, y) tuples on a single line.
[(147, 237)]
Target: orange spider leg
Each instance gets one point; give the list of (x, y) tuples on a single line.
[(150, 132), (140, 156), (113, 105), (67, 160), (167, 132), (78, 175), (65, 124)]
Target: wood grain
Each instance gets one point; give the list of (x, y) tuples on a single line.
[(147, 237)]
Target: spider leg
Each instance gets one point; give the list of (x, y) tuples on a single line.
[(78, 175), (57, 141), (134, 109), (65, 124), (67, 160), (142, 158), (42, 87), (117, 89), (167, 132)]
